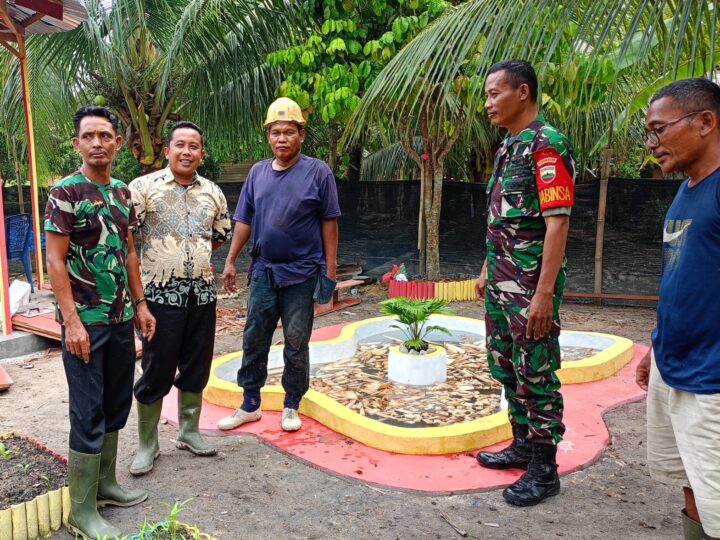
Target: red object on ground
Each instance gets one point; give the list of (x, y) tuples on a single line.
[(320, 447), (411, 289), (5, 380)]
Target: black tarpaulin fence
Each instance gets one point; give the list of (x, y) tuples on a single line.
[(379, 228)]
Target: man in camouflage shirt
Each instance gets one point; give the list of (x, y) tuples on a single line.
[(530, 195), (95, 275)]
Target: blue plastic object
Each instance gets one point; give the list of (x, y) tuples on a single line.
[(20, 243)]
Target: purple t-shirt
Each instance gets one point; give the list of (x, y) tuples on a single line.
[(285, 210)]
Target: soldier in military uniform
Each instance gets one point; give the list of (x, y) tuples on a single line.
[(95, 276), (530, 195)]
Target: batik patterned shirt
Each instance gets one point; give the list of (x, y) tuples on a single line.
[(96, 217), (176, 226), (533, 177)]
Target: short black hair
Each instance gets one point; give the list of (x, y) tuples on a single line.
[(184, 124), (93, 110), (692, 94), (518, 72)]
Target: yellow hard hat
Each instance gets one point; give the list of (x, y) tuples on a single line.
[(284, 110)]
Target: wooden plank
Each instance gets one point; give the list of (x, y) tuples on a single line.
[(46, 326), (611, 296), (32, 19)]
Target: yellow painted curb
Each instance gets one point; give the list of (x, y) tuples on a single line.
[(405, 440), (56, 510), (66, 503), (599, 366), (43, 512), (19, 522), (6, 524), (31, 519)]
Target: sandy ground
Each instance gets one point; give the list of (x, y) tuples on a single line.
[(251, 490)]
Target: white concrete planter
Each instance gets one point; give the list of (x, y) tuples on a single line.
[(417, 369)]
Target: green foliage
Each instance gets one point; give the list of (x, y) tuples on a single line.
[(4, 451), (169, 528), (126, 167), (598, 62), (7, 171), (413, 315), (629, 161), (153, 62), (210, 167), (329, 71)]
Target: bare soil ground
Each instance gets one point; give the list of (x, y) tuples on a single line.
[(27, 471), (251, 490)]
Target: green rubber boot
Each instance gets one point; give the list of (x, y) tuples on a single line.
[(84, 520), (109, 491), (189, 438), (148, 447), (692, 530)]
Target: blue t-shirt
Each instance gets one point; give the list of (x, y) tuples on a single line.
[(686, 341), (285, 210)]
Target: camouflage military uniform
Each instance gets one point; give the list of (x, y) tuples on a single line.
[(532, 178), (96, 217)]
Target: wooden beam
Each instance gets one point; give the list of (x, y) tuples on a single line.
[(612, 296), (32, 19), (8, 20), (10, 48), (7, 36)]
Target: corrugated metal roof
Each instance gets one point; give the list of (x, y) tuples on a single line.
[(74, 14)]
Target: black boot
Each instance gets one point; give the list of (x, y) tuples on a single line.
[(515, 456), (539, 482)]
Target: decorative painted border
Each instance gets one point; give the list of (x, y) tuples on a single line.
[(452, 291), (461, 437), (42, 515)]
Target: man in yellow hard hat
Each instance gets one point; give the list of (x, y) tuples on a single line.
[(288, 209)]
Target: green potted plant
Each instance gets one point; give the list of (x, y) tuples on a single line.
[(413, 315), (414, 362)]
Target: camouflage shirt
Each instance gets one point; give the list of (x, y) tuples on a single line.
[(96, 217), (177, 225), (533, 177)]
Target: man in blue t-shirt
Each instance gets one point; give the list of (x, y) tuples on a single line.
[(681, 372), (288, 209)]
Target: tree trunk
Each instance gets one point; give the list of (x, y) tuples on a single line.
[(353, 170), (433, 202), (602, 204), (150, 159), (332, 148)]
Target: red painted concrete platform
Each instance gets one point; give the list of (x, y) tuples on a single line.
[(320, 447)]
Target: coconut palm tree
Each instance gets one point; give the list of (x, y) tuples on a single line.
[(151, 61), (598, 61)]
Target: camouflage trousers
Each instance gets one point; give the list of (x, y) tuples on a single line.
[(525, 367)]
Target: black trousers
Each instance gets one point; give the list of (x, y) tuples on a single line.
[(101, 390), (180, 353)]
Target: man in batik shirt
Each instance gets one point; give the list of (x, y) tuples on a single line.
[(530, 195), (182, 218), (94, 273)]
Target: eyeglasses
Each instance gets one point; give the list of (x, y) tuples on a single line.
[(653, 135)]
